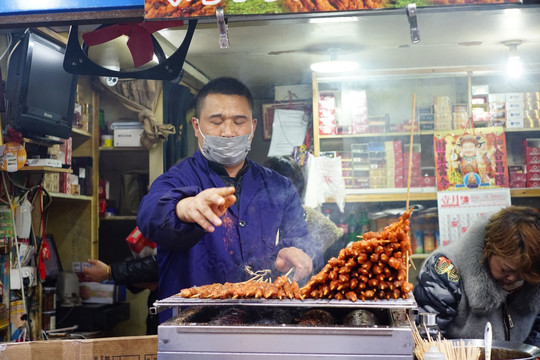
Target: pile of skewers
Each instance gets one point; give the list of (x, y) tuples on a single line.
[(372, 268)]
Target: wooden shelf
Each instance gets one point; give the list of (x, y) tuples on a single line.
[(46, 168), (80, 132), (419, 256), (106, 149), (70, 197), (416, 194)]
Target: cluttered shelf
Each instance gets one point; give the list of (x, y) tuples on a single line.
[(416, 194), (419, 132)]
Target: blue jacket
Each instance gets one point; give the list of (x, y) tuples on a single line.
[(189, 256)]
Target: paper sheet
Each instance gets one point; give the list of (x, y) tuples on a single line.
[(288, 130), (459, 209)]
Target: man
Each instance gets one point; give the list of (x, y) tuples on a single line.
[(218, 216)]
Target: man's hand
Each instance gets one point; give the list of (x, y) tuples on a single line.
[(206, 207), (294, 257), (97, 272)]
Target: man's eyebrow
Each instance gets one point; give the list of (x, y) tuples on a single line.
[(219, 115)]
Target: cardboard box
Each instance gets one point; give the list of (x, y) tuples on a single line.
[(51, 182), (127, 137), (128, 347)]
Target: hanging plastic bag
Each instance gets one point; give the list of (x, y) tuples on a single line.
[(324, 181)]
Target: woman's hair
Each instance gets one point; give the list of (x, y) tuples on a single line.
[(515, 230), (286, 166)]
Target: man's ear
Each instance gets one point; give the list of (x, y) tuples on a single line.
[(195, 125)]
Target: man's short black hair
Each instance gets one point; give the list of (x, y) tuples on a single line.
[(222, 85)]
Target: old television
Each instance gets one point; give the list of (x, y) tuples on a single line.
[(40, 94)]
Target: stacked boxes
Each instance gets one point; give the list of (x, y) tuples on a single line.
[(531, 109), (532, 162), (497, 109), (443, 112), (416, 174), (479, 103), (514, 110), (327, 114), (394, 164), (426, 118), (360, 165), (518, 177), (377, 165), (460, 116), (359, 113)]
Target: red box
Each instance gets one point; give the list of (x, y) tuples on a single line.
[(429, 181), (327, 114), (519, 184), (533, 176), (66, 151), (533, 184), (533, 168), (65, 183), (532, 146), (514, 176), (532, 159)]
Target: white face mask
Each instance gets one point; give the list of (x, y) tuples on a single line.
[(227, 151)]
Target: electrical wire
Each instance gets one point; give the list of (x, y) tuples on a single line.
[(16, 241), (9, 39)]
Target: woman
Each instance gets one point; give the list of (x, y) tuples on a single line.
[(491, 274)]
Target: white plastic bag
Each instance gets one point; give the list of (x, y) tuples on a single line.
[(324, 181)]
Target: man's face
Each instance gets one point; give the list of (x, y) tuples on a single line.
[(224, 115)]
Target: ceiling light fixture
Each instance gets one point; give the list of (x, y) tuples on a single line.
[(334, 65), (514, 66)]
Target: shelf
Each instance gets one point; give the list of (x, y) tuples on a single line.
[(106, 149), (70, 197), (46, 168), (416, 194), (80, 132)]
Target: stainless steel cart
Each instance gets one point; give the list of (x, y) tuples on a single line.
[(184, 338)]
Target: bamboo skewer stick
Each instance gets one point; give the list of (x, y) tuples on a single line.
[(411, 141)]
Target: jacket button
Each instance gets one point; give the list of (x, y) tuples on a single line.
[(242, 223)]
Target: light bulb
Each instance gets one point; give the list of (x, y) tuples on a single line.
[(334, 66), (514, 66)]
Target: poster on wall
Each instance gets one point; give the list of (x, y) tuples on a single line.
[(458, 209), (182, 9), (474, 159)]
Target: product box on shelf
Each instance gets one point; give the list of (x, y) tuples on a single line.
[(327, 114), (514, 97), (127, 137), (51, 182), (532, 146), (65, 183), (66, 151), (494, 98), (479, 90)]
